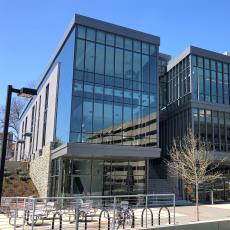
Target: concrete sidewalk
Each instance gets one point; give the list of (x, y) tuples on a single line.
[(183, 214)]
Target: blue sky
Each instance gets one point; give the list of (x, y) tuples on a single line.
[(30, 30)]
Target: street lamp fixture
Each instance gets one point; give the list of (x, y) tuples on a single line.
[(23, 92)]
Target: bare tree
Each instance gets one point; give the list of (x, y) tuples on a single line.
[(190, 159), (17, 105)]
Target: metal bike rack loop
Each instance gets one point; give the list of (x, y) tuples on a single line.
[(60, 220), (142, 216), (159, 215), (108, 218)]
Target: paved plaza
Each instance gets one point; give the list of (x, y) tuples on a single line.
[(184, 214)]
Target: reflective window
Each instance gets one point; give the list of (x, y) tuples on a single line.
[(110, 38), (136, 46), (90, 34), (97, 117), (80, 57), (128, 44), (100, 56), (136, 66), (114, 90), (90, 56), (109, 61), (128, 65), (145, 48), (100, 36), (119, 42), (118, 63), (81, 32), (87, 116)]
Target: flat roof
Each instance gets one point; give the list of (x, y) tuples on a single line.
[(103, 151), (199, 52), (164, 56)]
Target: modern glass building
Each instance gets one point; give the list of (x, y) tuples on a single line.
[(98, 104), (197, 89), (96, 121)]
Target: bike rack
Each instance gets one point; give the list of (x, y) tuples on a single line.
[(108, 218), (159, 215), (60, 220), (133, 219), (77, 219), (142, 216)]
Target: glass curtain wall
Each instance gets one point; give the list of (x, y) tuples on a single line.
[(99, 177), (174, 127), (179, 80), (114, 90), (214, 127), (210, 79)]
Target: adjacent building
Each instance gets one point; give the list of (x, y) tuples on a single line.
[(197, 98)]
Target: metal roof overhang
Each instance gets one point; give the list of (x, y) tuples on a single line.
[(102, 151)]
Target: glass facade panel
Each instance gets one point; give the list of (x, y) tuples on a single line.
[(66, 59), (109, 62), (118, 63), (136, 67), (100, 56), (114, 90), (89, 57), (128, 65), (214, 85), (98, 177)]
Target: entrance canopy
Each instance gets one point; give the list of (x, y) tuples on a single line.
[(100, 151)]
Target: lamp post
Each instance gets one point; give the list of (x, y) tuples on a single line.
[(23, 92)]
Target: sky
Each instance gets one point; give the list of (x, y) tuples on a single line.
[(30, 30)]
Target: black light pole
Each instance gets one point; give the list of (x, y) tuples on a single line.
[(24, 92)]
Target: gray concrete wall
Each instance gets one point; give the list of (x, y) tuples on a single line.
[(212, 225), (40, 169), (50, 125)]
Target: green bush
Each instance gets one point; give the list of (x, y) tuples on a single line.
[(7, 173), (18, 170), (24, 177), (22, 173)]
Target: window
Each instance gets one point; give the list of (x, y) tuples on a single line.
[(136, 66), (128, 65), (38, 123), (110, 39), (45, 115), (145, 68), (114, 89), (89, 57), (109, 61), (80, 54), (118, 62), (100, 36)]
